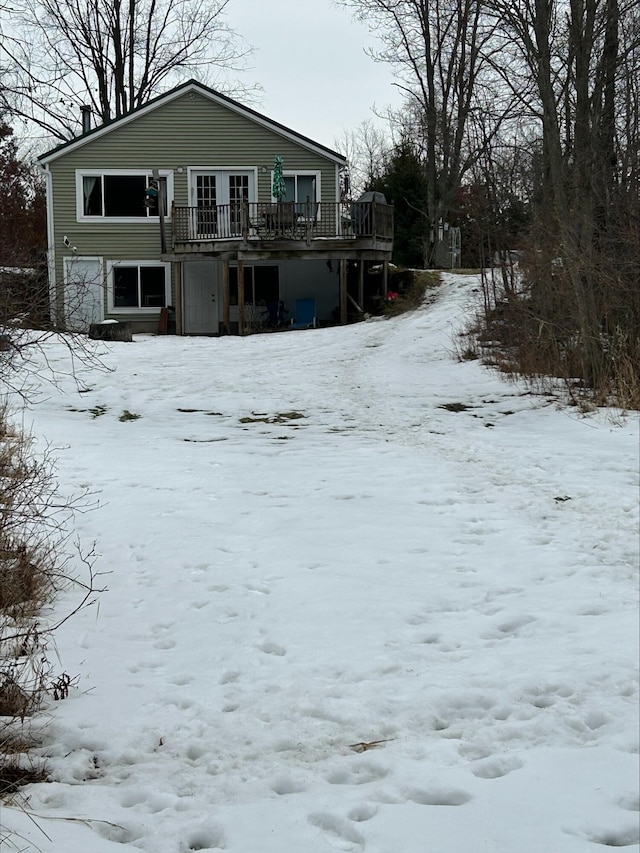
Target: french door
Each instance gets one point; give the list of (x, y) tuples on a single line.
[(218, 196)]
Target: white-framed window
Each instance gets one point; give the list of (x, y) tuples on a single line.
[(303, 188), (127, 195), (138, 286)]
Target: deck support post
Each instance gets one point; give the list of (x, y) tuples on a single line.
[(385, 278), (225, 298), (343, 291), (179, 300), (361, 284), (161, 203), (241, 297)]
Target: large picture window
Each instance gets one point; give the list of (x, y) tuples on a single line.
[(122, 195), (139, 285)]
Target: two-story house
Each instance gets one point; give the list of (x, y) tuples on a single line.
[(173, 206)]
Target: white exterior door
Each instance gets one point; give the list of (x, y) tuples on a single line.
[(218, 196), (83, 293), (201, 298)]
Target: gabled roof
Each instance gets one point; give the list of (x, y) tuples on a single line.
[(191, 86)]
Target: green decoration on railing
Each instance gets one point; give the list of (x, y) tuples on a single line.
[(278, 187)]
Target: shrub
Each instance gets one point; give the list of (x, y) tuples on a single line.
[(530, 326), (411, 287), (34, 565)]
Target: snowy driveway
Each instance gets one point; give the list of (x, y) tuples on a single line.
[(361, 596)]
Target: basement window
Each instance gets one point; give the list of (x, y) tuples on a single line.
[(139, 285), (261, 285), (121, 195)]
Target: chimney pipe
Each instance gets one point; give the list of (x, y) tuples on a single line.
[(86, 118)]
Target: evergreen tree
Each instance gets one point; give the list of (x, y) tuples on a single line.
[(404, 185), (22, 207)]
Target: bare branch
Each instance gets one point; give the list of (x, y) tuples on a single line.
[(112, 55)]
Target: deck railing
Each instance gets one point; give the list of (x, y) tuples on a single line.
[(283, 221)]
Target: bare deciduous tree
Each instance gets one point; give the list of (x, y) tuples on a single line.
[(583, 57), (113, 55), (366, 148), (438, 49)]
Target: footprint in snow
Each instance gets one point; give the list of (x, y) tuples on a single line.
[(272, 649), (287, 785), (623, 837), (259, 587), (438, 796), (363, 812), (508, 629), (630, 804), (206, 837), (339, 833), (496, 768), (360, 774), (165, 644)]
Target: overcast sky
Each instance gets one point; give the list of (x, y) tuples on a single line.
[(309, 58)]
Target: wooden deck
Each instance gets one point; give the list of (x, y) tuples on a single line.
[(285, 230)]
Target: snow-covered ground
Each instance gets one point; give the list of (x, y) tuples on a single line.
[(339, 615)]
